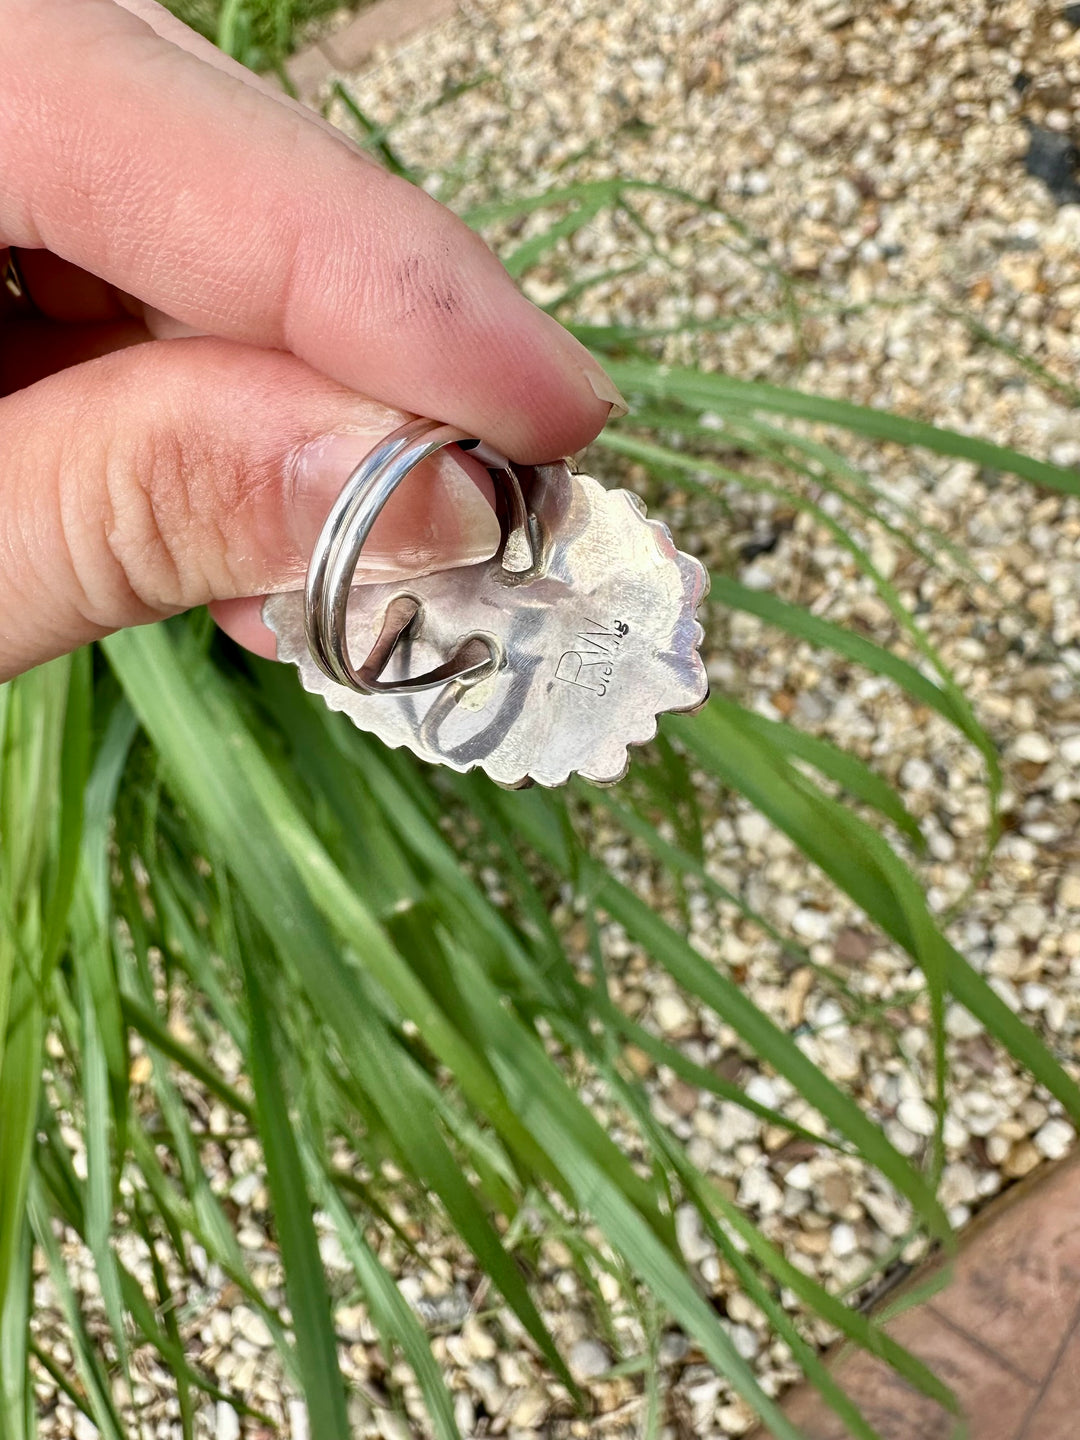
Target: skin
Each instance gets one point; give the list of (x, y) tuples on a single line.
[(219, 282)]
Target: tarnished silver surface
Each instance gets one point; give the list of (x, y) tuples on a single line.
[(592, 643)]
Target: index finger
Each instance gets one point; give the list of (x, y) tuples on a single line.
[(207, 199)]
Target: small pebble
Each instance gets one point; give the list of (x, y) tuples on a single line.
[(757, 1190), (798, 1177), (843, 1241), (391, 1426), (1021, 1159), (589, 1359), (672, 1014), (1054, 1139), (892, 1218), (674, 1346), (917, 1116), (764, 1090), (1053, 159), (226, 1422), (252, 1327), (531, 1409), (464, 1412), (916, 774), (960, 1023), (746, 1341), (810, 924), (694, 1243), (1034, 747), (958, 1185)]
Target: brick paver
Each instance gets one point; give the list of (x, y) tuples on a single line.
[(1003, 1333), (385, 24), (1056, 1411)]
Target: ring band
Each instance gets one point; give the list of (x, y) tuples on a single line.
[(337, 552)]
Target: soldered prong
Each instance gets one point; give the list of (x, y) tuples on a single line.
[(518, 554), (474, 658), (400, 614)]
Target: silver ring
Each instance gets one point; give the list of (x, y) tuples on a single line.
[(334, 559)]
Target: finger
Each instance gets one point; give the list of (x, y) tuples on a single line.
[(242, 621), (212, 202), (64, 291), (163, 476), (165, 24)]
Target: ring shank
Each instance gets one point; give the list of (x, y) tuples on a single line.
[(337, 552)]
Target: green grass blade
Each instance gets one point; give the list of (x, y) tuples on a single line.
[(773, 1046), (688, 1070), (20, 1084), (847, 770), (711, 392), (39, 821), (142, 1019), (710, 1202), (698, 976), (824, 634), (88, 1362), (166, 1308), (582, 192), (375, 137), (74, 764), (17, 1408), (542, 1097), (687, 468), (223, 778), (673, 858), (860, 862), (191, 1208), (826, 466), (98, 1129), (687, 471), (529, 253), (852, 1324), (392, 1314), (305, 1282)]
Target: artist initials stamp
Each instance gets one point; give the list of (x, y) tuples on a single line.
[(591, 665)]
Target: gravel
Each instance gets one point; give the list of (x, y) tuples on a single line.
[(898, 161)]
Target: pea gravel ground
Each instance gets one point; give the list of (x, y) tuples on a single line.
[(878, 153)]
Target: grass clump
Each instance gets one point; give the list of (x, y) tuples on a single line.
[(261, 34)]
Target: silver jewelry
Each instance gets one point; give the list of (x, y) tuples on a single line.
[(547, 660)]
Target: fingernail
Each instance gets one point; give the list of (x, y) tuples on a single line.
[(603, 387), (441, 517)]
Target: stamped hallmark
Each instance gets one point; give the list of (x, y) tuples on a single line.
[(592, 664)]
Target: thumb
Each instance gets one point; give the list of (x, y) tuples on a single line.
[(182, 471)]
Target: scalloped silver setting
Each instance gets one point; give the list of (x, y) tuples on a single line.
[(598, 641)]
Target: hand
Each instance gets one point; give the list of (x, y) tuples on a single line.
[(230, 304)]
